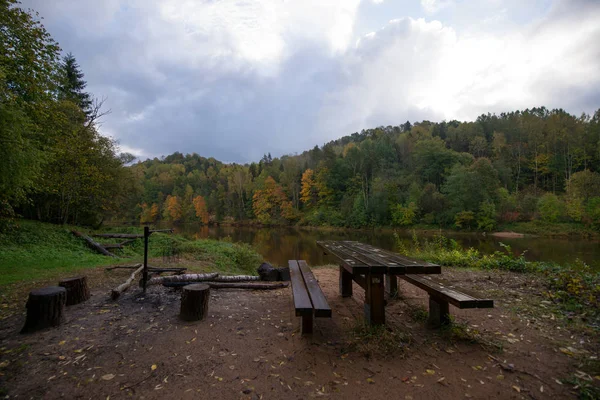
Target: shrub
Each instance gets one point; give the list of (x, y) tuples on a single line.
[(549, 207)]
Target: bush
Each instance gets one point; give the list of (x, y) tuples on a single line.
[(404, 215), (549, 207), (464, 219)]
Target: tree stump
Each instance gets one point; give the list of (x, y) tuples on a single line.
[(45, 308), (194, 302), (77, 289)]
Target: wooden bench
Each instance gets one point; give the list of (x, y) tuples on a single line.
[(309, 299), (441, 294)]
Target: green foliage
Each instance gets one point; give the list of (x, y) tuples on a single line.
[(549, 207), (377, 340), (404, 215), (464, 219), (486, 217)]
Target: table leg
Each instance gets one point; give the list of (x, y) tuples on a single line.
[(391, 285), (345, 282), (374, 300)]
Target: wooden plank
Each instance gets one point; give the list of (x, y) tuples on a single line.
[(333, 248), (394, 257), (375, 265), (442, 292), (301, 299), (391, 266), (361, 280), (319, 302)]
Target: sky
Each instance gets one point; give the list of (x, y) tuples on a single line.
[(236, 79)]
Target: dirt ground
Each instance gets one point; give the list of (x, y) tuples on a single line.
[(249, 347)]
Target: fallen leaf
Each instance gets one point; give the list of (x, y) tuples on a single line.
[(62, 342), (429, 372), (4, 364), (153, 367), (500, 377), (107, 377), (371, 381), (517, 389)]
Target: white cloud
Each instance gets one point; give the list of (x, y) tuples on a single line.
[(433, 6), (236, 78), (427, 70)]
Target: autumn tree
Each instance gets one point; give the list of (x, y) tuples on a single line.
[(201, 210), (172, 211), (308, 192), (267, 202)]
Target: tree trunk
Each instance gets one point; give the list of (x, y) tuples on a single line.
[(118, 235), (124, 286), (77, 289), (232, 285), (45, 308), (194, 302), (235, 278), (182, 278), (93, 244)]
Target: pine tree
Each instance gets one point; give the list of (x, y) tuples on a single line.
[(73, 85)]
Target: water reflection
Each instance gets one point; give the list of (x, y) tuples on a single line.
[(277, 245)]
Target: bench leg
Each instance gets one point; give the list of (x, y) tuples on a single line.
[(345, 282), (307, 324), (374, 300), (439, 312), (391, 285)]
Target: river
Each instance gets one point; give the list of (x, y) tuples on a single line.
[(277, 245)]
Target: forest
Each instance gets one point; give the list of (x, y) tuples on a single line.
[(536, 164), (54, 164)]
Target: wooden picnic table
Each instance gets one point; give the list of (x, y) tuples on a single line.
[(374, 270)]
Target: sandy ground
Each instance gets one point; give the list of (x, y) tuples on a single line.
[(249, 347)]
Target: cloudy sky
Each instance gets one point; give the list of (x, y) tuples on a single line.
[(234, 79)]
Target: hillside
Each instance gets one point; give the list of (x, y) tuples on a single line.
[(536, 164)]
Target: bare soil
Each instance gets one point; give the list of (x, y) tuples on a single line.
[(249, 347)]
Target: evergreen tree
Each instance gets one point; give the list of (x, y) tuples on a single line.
[(72, 85)]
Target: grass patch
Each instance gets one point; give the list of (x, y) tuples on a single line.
[(40, 251), (556, 229), (573, 288), (418, 313), (377, 340), (584, 387)]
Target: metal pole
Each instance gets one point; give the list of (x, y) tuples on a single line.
[(145, 274)]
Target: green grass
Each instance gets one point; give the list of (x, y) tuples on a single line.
[(573, 288), (377, 340), (38, 250), (554, 229)]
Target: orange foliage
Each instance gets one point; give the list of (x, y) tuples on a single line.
[(201, 210)]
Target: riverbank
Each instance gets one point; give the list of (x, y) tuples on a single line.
[(39, 251)]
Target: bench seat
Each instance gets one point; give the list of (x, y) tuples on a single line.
[(441, 294), (309, 300)]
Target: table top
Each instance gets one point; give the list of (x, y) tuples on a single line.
[(363, 258)]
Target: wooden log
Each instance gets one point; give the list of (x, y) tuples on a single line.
[(111, 245), (124, 286), (118, 235), (77, 289), (94, 245), (232, 285), (194, 302), (45, 308), (235, 278), (182, 278), (268, 273), (136, 266)]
